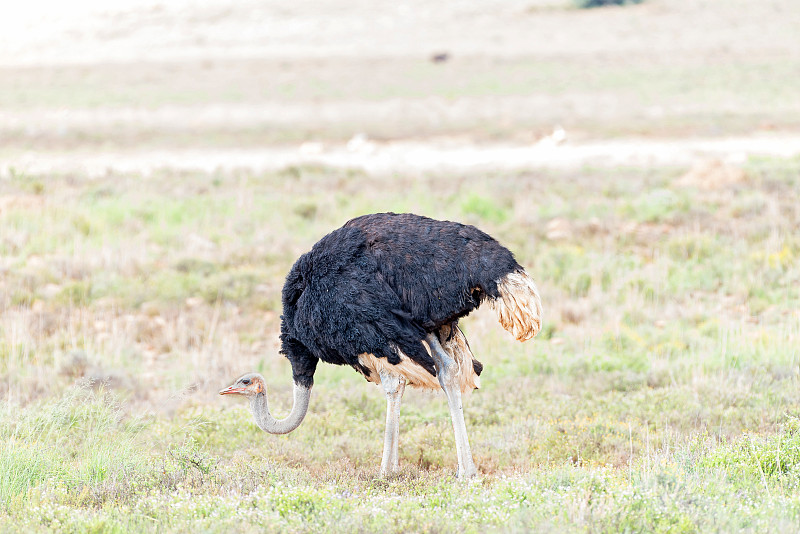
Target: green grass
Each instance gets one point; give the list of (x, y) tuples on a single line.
[(67, 445), (661, 396), (697, 485)]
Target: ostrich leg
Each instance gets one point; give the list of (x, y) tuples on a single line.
[(447, 372), (394, 387)]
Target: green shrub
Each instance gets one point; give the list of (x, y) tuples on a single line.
[(585, 4)]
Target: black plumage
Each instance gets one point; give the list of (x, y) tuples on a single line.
[(380, 284)]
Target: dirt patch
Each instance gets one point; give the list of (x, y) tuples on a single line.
[(712, 174), (430, 155)]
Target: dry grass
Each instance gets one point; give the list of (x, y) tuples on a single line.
[(670, 341)]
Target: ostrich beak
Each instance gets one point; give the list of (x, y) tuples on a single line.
[(231, 390)]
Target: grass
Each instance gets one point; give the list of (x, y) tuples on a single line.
[(520, 99), (193, 83), (699, 485), (661, 396)]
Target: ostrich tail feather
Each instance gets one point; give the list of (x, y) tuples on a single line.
[(519, 307)]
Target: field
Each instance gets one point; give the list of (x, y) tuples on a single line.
[(138, 276)]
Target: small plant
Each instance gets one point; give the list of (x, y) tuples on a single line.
[(189, 456)]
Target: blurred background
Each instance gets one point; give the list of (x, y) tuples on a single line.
[(208, 84)]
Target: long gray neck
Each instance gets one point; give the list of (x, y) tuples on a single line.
[(260, 409)]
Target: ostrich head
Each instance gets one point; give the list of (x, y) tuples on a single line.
[(248, 385), (252, 386)]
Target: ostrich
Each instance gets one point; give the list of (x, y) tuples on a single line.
[(384, 294)]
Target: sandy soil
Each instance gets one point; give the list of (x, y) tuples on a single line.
[(90, 31), (428, 155)]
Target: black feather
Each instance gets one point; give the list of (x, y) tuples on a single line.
[(379, 284)]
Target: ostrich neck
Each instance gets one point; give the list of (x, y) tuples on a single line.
[(260, 408)]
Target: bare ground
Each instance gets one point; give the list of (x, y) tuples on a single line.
[(412, 156), (140, 85)]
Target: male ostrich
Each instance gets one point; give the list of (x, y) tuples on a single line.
[(370, 293)]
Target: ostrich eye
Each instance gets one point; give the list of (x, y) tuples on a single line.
[(246, 381)]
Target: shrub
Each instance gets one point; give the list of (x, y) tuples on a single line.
[(585, 4)]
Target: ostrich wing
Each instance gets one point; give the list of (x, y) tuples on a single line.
[(347, 308)]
